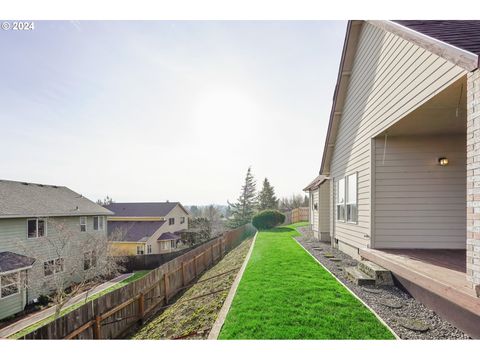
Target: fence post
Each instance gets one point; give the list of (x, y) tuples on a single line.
[(97, 328), (195, 263), (211, 252), (165, 283), (183, 273), (141, 307)]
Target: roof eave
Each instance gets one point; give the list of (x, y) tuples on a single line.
[(461, 57), (25, 216), (353, 28)]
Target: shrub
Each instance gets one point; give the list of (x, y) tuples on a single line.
[(268, 219), (43, 300)]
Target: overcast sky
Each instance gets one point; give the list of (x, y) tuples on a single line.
[(155, 111)]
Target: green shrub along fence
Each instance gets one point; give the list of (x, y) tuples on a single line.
[(111, 315)]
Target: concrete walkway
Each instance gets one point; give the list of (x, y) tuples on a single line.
[(40, 315)]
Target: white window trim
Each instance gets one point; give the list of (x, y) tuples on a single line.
[(173, 223), (140, 247), (99, 228), (36, 231), (54, 272), (19, 280), (348, 202), (344, 200), (85, 223), (182, 220), (149, 249)]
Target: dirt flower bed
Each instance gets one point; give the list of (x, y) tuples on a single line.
[(194, 319), (379, 297)]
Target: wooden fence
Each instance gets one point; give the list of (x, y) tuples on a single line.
[(111, 315), (296, 215), (300, 214)]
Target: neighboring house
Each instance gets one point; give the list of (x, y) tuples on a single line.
[(43, 232), (399, 179), (146, 228)]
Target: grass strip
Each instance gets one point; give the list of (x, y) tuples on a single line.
[(194, 319), (285, 294)]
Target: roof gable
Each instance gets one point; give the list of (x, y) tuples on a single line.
[(133, 231), (411, 31)]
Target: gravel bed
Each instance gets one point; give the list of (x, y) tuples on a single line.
[(411, 308)]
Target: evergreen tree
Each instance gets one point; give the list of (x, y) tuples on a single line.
[(242, 211), (266, 197)]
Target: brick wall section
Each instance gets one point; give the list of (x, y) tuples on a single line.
[(473, 179)]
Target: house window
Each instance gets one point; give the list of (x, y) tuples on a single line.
[(36, 228), (149, 249), (351, 198), (164, 245), (9, 284), (140, 249), (98, 223), (341, 200), (55, 266), (182, 220), (89, 260), (173, 244), (83, 223), (171, 221)]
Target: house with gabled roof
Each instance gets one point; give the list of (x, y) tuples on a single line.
[(399, 177), (146, 227), (34, 251)]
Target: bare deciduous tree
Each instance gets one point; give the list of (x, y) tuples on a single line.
[(79, 261)]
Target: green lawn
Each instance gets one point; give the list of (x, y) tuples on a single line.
[(136, 275), (285, 294)]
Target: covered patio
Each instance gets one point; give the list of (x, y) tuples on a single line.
[(419, 227)]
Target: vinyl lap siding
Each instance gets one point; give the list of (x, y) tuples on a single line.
[(419, 204), (315, 223), (324, 207), (11, 305), (390, 78)]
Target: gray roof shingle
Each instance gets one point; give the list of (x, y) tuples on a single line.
[(21, 199), (133, 231), (10, 261), (464, 34), (168, 236), (159, 209)]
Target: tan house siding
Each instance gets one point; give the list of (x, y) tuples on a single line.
[(324, 210), (419, 204), (315, 213), (177, 213), (390, 78), (473, 178)]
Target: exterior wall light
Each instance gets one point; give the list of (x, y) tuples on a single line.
[(443, 161)]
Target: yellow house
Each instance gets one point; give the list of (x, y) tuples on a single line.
[(146, 228)]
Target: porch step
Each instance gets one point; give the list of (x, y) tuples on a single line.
[(381, 275), (358, 277)]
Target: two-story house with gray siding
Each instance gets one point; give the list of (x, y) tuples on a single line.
[(44, 230)]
